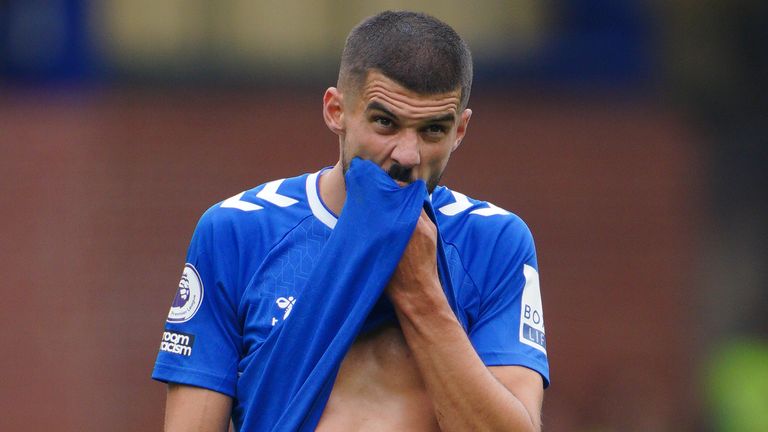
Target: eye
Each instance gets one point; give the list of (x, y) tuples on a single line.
[(435, 129), (383, 121)]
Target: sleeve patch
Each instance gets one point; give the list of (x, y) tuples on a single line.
[(189, 296), (176, 342), (531, 313)]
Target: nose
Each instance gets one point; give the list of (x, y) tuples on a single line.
[(406, 151)]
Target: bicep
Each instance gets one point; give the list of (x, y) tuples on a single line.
[(191, 408), (526, 385), (508, 326)]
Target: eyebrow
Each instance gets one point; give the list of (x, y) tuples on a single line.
[(378, 106)]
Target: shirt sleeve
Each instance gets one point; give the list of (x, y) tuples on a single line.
[(509, 329), (201, 342)]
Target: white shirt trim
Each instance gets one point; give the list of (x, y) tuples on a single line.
[(316, 204)]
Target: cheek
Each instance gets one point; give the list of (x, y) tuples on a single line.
[(438, 157), (363, 142)]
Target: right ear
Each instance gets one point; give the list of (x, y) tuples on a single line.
[(333, 110)]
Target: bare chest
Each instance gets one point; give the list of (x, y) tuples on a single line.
[(379, 388)]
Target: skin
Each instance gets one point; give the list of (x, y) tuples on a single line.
[(423, 375), (388, 124), (195, 409)]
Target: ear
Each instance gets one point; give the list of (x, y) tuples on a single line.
[(333, 110), (461, 129)]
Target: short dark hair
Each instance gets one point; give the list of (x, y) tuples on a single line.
[(418, 51)]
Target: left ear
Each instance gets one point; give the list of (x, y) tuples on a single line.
[(461, 130), (333, 110)]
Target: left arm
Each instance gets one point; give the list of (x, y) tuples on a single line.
[(465, 393)]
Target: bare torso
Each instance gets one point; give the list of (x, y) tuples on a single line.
[(379, 388)]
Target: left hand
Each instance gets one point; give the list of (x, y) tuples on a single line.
[(417, 270)]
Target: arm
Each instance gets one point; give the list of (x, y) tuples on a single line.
[(465, 393), (196, 409), (200, 346)]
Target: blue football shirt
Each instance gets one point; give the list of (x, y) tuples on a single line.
[(251, 254)]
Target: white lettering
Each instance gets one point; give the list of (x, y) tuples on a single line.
[(176, 338), (176, 343), (176, 349)]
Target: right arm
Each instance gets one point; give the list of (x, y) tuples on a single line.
[(195, 409), (201, 346)]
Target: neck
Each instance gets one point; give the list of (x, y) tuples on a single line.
[(332, 189)]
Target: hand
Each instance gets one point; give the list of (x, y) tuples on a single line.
[(416, 274)]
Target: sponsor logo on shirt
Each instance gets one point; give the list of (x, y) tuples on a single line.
[(286, 304), (189, 296), (176, 342), (531, 313)]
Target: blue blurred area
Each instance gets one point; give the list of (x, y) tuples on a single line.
[(45, 41), (599, 43), (591, 42)]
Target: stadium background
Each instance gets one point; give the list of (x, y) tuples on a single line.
[(631, 136)]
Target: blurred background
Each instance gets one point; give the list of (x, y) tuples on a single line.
[(631, 135)]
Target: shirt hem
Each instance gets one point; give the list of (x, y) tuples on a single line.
[(174, 374), (516, 359)]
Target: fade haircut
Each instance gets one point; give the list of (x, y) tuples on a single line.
[(418, 51)]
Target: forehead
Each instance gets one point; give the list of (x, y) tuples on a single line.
[(405, 102)]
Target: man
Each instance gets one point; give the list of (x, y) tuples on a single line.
[(400, 103)]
